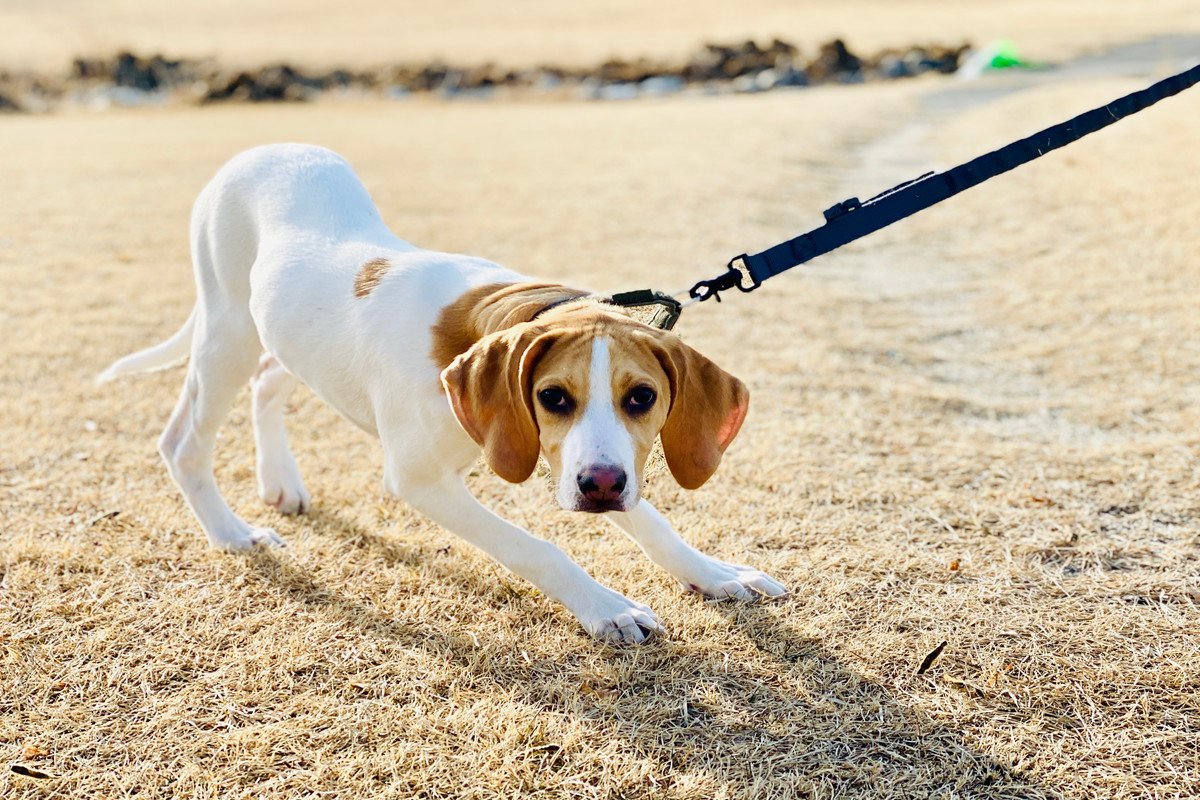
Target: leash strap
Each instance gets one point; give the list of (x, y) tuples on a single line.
[(850, 219)]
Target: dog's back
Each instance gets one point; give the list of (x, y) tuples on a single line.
[(290, 252), (270, 199), (298, 186)]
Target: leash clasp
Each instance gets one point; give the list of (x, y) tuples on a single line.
[(730, 279), (664, 318)]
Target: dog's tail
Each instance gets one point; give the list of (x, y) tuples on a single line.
[(163, 355)]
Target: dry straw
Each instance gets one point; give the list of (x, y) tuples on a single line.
[(979, 427)]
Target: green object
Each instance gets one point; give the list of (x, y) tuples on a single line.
[(1005, 56)]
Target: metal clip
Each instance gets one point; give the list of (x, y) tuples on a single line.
[(727, 280)]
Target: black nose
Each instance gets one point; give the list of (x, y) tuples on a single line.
[(601, 484)]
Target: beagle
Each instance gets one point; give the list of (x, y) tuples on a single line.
[(442, 357)]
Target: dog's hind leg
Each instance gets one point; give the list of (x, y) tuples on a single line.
[(223, 357), (279, 481), (225, 348)]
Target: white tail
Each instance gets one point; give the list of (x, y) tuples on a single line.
[(161, 356)]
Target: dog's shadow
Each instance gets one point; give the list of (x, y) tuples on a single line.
[(803, 724), (392, 549)]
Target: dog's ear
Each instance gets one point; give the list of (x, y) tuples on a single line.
[(708, 406), (489, 388)]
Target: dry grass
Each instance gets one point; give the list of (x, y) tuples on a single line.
[(979, 427), (48, 35)]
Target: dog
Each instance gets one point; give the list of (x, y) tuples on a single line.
[(441, 357)]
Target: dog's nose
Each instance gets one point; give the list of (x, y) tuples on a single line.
[(601, 484)]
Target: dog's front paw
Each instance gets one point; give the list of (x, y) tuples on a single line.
[(717, 580), (245, 537), (611, 617)]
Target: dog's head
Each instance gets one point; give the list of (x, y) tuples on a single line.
[(591, 390)]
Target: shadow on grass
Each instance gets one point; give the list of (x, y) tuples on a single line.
[(785, 719), (862, 739), (322, 522), (393, 550), (299, 585)]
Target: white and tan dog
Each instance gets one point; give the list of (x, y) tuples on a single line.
[(440, 356)]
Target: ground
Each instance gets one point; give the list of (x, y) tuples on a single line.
[(978, 427)]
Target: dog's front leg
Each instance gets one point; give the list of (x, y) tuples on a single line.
[(698, 572), (605, 614)]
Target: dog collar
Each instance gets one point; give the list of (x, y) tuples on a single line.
[(664, 318)]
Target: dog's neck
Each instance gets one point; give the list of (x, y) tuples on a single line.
[(495, 307)]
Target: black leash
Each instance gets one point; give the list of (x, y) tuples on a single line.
[(851, 219)]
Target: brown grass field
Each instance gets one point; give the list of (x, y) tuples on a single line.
[(981, 426)]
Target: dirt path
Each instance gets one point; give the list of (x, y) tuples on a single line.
[(929, 298)]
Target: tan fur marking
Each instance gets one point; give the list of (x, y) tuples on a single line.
[(506, 360), (369, 275), (488, 309)]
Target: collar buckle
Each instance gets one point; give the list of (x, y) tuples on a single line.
[(664, 318)]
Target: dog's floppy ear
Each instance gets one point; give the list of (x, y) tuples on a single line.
[(489, 388), (708, 406)]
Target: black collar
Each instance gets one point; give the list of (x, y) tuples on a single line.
[(557, 303), (664, 319)]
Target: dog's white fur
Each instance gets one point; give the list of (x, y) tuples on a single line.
[(277, 238), (599, 438)]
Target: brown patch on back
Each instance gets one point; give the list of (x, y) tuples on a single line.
[(369, 275), (488, 309)]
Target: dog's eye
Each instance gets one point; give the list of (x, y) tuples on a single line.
[(640, 400), (555, 400)]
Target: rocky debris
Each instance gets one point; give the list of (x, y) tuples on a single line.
[(205, 81), (917, 60), (21, 92), (722, 62), (130, 71), (274, 83), (835, 62), (129, 79)]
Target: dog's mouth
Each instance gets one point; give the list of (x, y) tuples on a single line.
[(589, 506), (593, 499), (594, 505)]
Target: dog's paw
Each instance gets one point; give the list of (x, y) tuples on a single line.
[(717, 580), (283, 492), (611, 617), (246, 537)]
